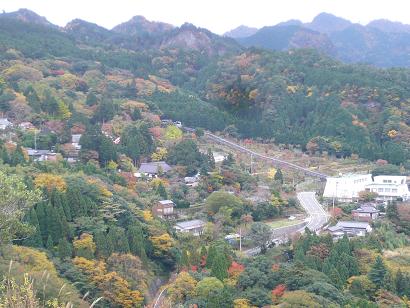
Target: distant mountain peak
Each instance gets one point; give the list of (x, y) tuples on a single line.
[(328, 23), (386, 25), (241, 31), (139, 24), (290, 22), (28, 16)]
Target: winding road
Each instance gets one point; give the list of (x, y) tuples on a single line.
[(318, 217)]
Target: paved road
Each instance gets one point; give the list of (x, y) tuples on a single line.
[(318, 217)]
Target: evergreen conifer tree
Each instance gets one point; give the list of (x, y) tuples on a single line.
[(64, 248), (378, 272), (278, 176), (50, 244), (162, 192), (211, 255), (35, 240), (102, 245), (400, 283), (42, 221), (116, 235), (136, 241), (53, 223), (219, 267)]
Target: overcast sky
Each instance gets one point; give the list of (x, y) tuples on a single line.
[(218, 16)]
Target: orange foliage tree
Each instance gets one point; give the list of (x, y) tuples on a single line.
[(114, 288)]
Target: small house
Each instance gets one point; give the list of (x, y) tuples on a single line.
[(153, 169), (41, 155), (164, 209), (5, 123), (365, 213), (192, 181), (195, 227), (351, 228)]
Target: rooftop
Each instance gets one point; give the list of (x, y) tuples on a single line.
[(33, 152), (190, 224), (154, 167), (350, 176), (165, 202), (366, 209), (352, 224)]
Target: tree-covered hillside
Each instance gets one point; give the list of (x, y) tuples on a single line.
[(297, 97)]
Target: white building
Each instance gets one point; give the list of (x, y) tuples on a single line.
[(390, 187), (346, 188), (5, 123)]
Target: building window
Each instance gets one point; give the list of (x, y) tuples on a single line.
[(394, 190), (387, 189), (380, 190)]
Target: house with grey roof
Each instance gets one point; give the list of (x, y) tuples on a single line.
[(195, 227), (365, 213), (41, 155), (351, 228), (153, 169)]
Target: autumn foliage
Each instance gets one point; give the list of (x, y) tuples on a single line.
[(114, 288)]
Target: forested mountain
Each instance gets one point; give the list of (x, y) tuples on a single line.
[(241, 31), (272, 95), (382, 43), (287, 37)]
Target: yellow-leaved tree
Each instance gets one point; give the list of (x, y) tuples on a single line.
[(182, 288), (162, 244), (173, 133), (84, 246), (50, 181)]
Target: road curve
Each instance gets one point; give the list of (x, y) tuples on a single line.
[(318, 217)]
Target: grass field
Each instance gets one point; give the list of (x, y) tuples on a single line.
[(274, 224)]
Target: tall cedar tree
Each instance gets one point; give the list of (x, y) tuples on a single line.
[(220, 266), (35, 239), (378, 272), (136, 241), (116, 236), (64, 249), (103, 247)]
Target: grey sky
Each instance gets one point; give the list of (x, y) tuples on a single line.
[(218, 16)]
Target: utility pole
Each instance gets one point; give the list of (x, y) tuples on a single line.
[(333, 205), (35, 139), (240, 238), (251, 163)]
